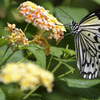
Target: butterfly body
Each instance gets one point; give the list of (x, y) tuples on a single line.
[(87, 44), (75, 28)]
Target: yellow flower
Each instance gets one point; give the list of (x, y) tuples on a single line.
[(62, 28), (28, 76), (46, 78), (7, 79), (27, 3)]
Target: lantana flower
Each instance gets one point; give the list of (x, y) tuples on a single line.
[(27, 75), (16, 36), (38, 16)]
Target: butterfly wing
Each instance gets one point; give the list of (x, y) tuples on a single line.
[(87, 43)]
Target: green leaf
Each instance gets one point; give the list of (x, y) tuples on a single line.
[(2, 95), (69, 51), (85, 88), (56, 51), (76, 13), (11, 92), (38, 53), (49, 6), (97, 1), (17, 56), (81, 83), (2, 41)]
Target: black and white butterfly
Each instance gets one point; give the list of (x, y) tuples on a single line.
[(87, 44)]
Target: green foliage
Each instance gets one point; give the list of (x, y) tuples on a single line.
[(38, 52), (82, 87), (69, 51), (97, 1), (3, 41), (63, 14), (68, 85), (81, 83), (48, 6), (55, 51), (11, 92), (2, 95), (15, 57)]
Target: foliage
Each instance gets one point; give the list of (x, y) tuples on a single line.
[(58, 59)]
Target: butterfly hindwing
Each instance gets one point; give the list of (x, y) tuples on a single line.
[(87, 43), (87, 54)]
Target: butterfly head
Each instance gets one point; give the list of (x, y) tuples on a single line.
[(74, 28)]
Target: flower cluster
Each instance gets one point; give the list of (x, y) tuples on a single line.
[(16, 36), (28, 76), (38, 16)]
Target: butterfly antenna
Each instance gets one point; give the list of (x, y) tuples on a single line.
[(67, 34), (66, 17), (66, 13), (67, 25)]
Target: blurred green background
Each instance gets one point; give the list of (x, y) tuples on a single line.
[(77, 9)]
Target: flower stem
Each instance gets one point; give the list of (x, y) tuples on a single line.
[(26, 27), (4, 53), (62, 75), (49, 62), (31, 91), (7, 58), (56, 67), (23, 59)]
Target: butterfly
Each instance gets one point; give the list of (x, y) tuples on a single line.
[(87, 44)]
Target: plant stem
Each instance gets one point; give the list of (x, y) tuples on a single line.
[(68, 66), (64, 74), (73, 57), (26, 27), (49, 62), (31, 91), (23, 59), (8, 58), (4, 53), (56, 67)]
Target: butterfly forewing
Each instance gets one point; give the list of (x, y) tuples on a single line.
[(87, 42), (91, 19)]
